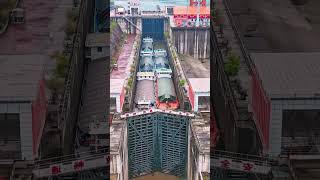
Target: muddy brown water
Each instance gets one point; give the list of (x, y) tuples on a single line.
[(157, 176)]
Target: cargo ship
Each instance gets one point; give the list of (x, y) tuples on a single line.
[(166, 98), (145, 95), (147, 47)]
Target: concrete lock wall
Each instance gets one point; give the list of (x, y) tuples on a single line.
[(71, 102), (193, 42), (197, 161), (119, 160), (175, 78)]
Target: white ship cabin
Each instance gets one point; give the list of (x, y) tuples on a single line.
[(145, 76), (164, 73), (147, 40), (160, 52)]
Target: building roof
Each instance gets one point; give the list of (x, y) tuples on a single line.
[(200, 85), (19, 76), (166, 88), (94, 97), (190, 10), (97, 39), (145, 91), (116, 86), (288, 75)]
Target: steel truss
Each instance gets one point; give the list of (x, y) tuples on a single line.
[(157, 142)]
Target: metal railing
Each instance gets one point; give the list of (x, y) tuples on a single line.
[(307, 144), (224, 78), (72, 91), (249, 62), (43, 163), (235, 28), (243, 157)]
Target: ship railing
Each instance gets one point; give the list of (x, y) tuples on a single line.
[(47, 162), (147, 39), (243, 157), (307, 144)]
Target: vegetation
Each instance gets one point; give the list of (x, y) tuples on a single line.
[(233, 65), (55, 84), (5, 8), (56, 81), (72, 19), (217, 16), (130, 81), (129, 85), (166, 35), (206, 178), (113, 61), (132, 69), (62, 62), (174, 56), (182, 82), (113, 26), (4, 14)]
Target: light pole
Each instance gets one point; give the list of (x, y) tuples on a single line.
[(198, 13)]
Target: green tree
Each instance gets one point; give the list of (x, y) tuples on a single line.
[(166, 35), (70, 28), (182, 82), (113, 26), (55, 84), (132, 69), (130, 81), (72, 19), (233, 65), (62, 62), (72, 14), (3, 16)]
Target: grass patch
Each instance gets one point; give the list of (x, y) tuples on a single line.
[(233, 65), (113, 26), (72, 21), (5, 8), (182, 82), (62, 62)]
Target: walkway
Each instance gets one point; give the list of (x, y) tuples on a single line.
[(94, 95), (123, 60), (229, 35)]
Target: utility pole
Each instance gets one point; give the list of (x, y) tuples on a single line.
[(198, 13)]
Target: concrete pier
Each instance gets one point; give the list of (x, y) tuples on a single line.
[(192, 41)]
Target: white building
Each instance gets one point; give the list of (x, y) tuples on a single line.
[(199, 93), (117, 95), (23, 106), (285, 100), (97, 45)]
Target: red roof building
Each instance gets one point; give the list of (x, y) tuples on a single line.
[(195, 3), (186, 16)]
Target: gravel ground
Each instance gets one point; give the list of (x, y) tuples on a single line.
[(194, 68), (280, 26)]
